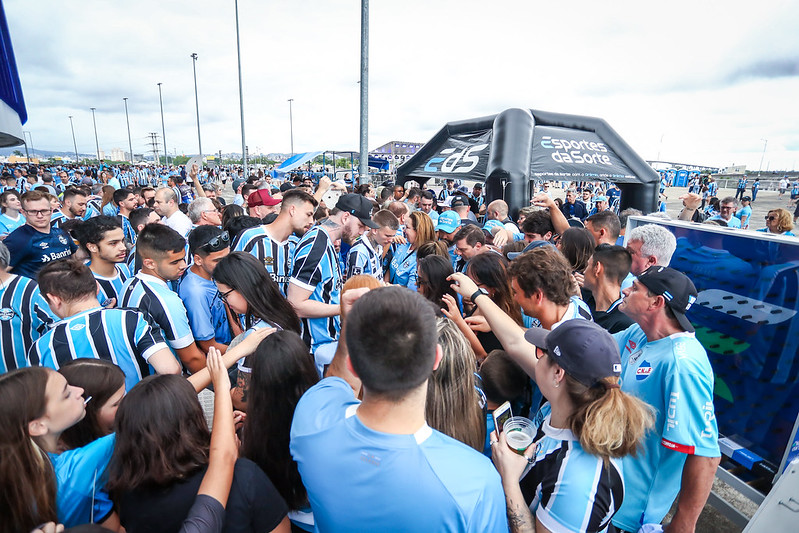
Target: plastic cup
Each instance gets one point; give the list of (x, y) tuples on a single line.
[(519, 433)]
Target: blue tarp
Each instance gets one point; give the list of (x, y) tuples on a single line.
[(297, 160)]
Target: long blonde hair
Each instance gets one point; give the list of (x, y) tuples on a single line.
[(607, 421), (453, 406)]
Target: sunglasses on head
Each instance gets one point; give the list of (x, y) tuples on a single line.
[(217, 243)]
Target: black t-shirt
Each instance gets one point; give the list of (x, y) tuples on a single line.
[(612, 320), (253, 505)]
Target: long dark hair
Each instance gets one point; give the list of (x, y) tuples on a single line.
[(282, 370), (99, 379), (491, 270), (577, 246), (435, 270), (28, 497), (161, 435), (243, 272)]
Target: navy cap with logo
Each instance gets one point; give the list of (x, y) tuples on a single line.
[(583, 349), (459, 201), (675, 287), (358, 206)]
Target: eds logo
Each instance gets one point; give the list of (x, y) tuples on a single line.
[(458, 162)]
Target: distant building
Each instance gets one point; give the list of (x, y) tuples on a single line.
[(739, 169), (118, 154), (397, 152)]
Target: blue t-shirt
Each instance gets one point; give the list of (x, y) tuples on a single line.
[(121, 336), (81, 475), (744, 215), (24, 317), (566, 488), (31, 249), (8, 224), (164, 306), (359, 479), (205, 308), (674, 376), (402, 269), (731, 223), (317, 269), (276, 256), (363, 259)]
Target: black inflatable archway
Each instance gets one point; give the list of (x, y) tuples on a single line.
[(508, 150)]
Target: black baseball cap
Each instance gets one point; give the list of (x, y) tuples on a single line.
[(583, 349), (675, 287), (358, 206), (459, 201)]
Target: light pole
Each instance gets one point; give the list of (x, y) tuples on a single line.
[(163, 129), (291, 126), (241, 95), (96, 142), (130, 144), (363, 168), (765, 143), (197, 103), (74, 143), (31, 138)]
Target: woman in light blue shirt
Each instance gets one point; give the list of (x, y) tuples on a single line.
[(402, 269), (10, 217)]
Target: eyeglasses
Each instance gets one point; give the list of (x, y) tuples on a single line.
[(217, 243), (224, 295), (770, 217), (38, 212)]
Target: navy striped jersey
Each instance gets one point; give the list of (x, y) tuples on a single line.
[(31, 249), (133, 262), (108, 288), (364, 259), (567, 488), (122, 336), (162, 305), (277, 256), (127, 229), (316, 269), (24, 317)]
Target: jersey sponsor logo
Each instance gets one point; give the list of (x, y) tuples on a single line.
[(357, 271), (43, 245), (54, 256), (634, 356), (682, 448), (671, 411), (6, 313), (709, 415), (280, 279), (77, 327), (643, 371)]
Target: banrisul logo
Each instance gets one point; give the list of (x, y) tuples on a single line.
[(456, 161)]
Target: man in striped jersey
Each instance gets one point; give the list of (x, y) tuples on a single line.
[(138, 219), (275, 243), (365, 255), (102, 240), (315, 284), (126, 200), (122, 336), (73, 207), (24, 315), (163, 258)]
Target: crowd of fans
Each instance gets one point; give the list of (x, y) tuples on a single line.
[(349, 348)]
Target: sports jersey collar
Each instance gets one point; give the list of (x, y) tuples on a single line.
[(421, 435), (571, 312), (557, 433), (82, 313), (151, 279)]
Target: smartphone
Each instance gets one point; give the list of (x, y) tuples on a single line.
[(501, 414)]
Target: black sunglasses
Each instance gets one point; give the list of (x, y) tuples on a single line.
[(217, 243)]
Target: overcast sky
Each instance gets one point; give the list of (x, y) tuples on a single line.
[(693, 82)]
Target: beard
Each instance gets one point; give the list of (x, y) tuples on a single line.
[(348, 235)]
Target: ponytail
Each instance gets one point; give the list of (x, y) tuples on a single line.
[(607, 422)]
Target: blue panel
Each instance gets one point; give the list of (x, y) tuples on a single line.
[(10, 88)]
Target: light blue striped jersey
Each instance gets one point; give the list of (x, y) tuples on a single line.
[(127, 229), (57, 219), (108, 288), (162, 306), (402, 268), (122, 336), (276, 256), (24, 317), (316, 268), (567, 488), (364, 259)]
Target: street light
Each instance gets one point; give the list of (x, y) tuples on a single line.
[(241, 95), (74, 143), (163, 129), (363, 168), (197, 103), (765, 143), (130, 144), (96, 142), (291, 126)]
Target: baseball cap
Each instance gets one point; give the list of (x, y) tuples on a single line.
[(675, 287), (459, 201), (601, 199), (261, 197), (448, 221), (358, 206), (491, 224), (285, 186), (532, 246), (237, 183), (478, 186), (583, 349), (746, 199)]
